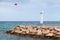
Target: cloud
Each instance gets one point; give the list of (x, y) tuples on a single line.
[(46, 4), (10, 1), (25, 10), (53, 1), (19, 1)]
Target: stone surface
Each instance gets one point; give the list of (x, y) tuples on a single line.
[(49, 31)]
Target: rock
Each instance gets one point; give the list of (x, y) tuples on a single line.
[(51, 28), (22, 26), (58, 36), (12, 31), (18, 31), (8, 31), (50, 34), (57, 29), (17, 28), (45, 31), (53, 31), (27, 31), (37, 31), (57, 33)]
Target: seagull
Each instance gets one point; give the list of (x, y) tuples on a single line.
[(15, 4)]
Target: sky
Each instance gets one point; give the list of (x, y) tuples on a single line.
[(29, 10)]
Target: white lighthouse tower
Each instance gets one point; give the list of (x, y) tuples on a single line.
[(41, 17)]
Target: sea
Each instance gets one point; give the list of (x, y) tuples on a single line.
[(7, 25)]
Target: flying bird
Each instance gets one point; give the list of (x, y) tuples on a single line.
[(15, 4)]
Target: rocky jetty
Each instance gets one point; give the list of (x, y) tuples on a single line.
[(40, 31)]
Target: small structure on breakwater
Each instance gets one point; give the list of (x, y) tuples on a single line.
[(41, 17), (41, 31)]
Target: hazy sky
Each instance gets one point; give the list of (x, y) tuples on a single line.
[(29, 10)]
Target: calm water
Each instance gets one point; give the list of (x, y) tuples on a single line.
[(6, 25)]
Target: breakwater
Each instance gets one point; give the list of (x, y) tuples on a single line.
[(39, 31)]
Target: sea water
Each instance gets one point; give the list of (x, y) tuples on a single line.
[(7, 25)]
